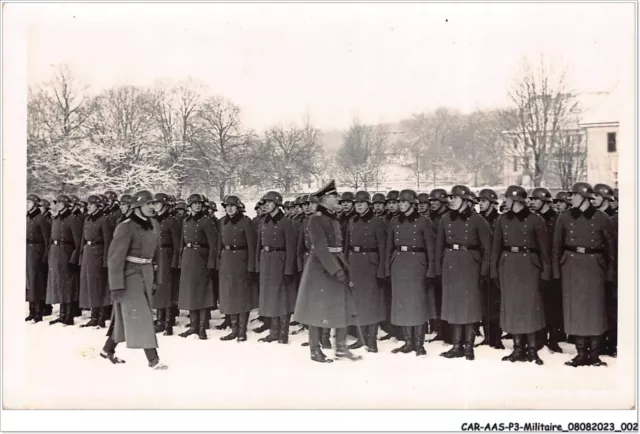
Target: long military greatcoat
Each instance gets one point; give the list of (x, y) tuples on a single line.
[(411, 303), (96, 236), (38, 235), (323, 300), (237, 259), (365, 248), (461, 267), (168, 260), (304, 243), (198, 256), (521, 307), (584, 274), (275, 257), (132, 317), (64, 253)]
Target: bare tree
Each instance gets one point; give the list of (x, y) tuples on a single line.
[(291, 155), (543, 106), (568, 160), (480, 147), (361, 155)]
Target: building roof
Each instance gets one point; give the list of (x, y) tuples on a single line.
[(600, 107)]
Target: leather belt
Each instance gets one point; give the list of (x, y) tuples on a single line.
[(358, 249), (93, 243), (166, 246), (62, 243), (409, 249), (273, 249), (584, 250), (33, 243), (519, 249), (227, 247), (137, 260), (196, 245), (461, 247)]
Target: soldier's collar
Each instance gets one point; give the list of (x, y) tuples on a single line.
[(235, 219), (550, 214), (523, 214), (348, 215), (34, 212), (493, 214), (464, 215), (279, 215), (64, 214), (95, 216), (197, 216), (324, 210), (368, 215), (587, 213), (609, 211), (165, 215), (144, 224), (411, 217)]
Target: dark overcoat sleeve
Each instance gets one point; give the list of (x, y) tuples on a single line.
[(176, 236), (390, 248), (211, 232), (440, 242), (290, 239), (250, 235), (300, 248), (484, 235), (320, 245), (45, 228), (107, 235), (542, 235), (496, 247), (610, 239), (117, 253), (76, 233), (381, 242), (558, 246)]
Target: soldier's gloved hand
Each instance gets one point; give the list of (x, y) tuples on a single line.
[(289, 279), (342, 278), (117, 295)]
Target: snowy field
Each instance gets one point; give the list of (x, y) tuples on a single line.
[(63, 369)]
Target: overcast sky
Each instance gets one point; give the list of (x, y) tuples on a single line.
[(380, 62)]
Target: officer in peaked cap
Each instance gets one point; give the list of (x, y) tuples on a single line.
[(584, 258), (378, 201), (165, 298), (64, 255), (38, 235), (133, 246), (199, 253), (276, 262), (323, 300), (462, 258), (96, 238), (541, 203), (410, 262), (519, 263)]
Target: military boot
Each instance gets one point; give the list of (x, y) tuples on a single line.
[(314, 343), (203, 323), (495, 335), (102, 317), (325, 337), (469, 338), (283, 333), (360, 341), (274, 330), (93, 322), (169, 322), (226, 323), (582, 359), (407, 336), (233, 320), (243, 321), (518, 353), (532, 350), (554, 338), (69, 315), (61, 314), (342, 351), (595, 345), (31, 312), (160, 321), (372, 338), (193, 326), (47, 309), (266, 325), (37, 312), (418, 340), (456, 337)]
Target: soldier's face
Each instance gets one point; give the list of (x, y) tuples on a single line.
[(231, 210), (455, 202), (423, 207), (378, 207), (59, 206), (484, 205), (305, 207), (158, 206), (92, 207), (180, 212), (196, 207), (536, 204), (269, 206), (331, 202), (597, 201), (562, 206), (313, 207), (392, 206), (148, 209), (362, 207), (613, 204), (124, 208), (30, 205), (435, 205), (299, 209), (404, 206), (347, 206), (576, 200)]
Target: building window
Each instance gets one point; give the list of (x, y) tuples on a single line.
[(515, 164), (611, 142)]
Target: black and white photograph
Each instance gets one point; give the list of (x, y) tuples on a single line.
[(320, 206)]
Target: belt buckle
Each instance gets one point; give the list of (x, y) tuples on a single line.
[(581, 249), (266, 249), (515, 250), (404, 249), (89, 243), (227, 247), (189, 245), (455, 246), (356, 249)]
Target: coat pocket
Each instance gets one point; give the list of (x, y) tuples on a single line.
[(563, 258), (373, 258), (475, 255), (535, 261), (602, 262)]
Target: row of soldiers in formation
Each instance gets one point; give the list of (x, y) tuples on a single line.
[(543, 270)]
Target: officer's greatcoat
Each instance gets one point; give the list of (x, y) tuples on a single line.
[(64, 253), (38, 235), (168, 260), (96, 236)]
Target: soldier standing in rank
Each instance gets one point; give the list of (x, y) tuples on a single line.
[(603, 199), (45, 206), (463, 251), (257, 221), (561, 202), (199, 244), (94, 290), (390, 211), (584, 249), (131, 258), (113, 210), (488, 200), (520, 266), (125, 209), (410, 265), (76, 211), (64, 252), (323, 301), (541, 203), (366, 251), (348, 211), (165, 297), (236, 268), (276, 260), (180, 209), (378, 200), (438, 207), (423, 204), (38, 235)]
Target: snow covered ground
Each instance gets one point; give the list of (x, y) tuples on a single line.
[(63, 370)]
